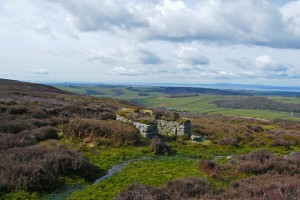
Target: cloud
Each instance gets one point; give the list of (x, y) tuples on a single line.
[(95, 15), (127, 72), (266, 63), (131, 54), (39, 71), (4, 74), (252, 22), (189, 57), (242, 63)]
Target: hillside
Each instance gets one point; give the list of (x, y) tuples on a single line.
[(55, 144), (258, 103), (33, 119)]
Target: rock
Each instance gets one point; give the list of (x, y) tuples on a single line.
[(170, 128), (196, 138)]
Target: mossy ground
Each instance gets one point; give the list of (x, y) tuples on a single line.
[(156, 171)]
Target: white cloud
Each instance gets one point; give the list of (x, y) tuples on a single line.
[(127, 72), (189, 57), (266, 63), (158, 40), (39, 71), (4, 74)]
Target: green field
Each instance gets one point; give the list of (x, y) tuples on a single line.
[(202, 104), (294, 100)]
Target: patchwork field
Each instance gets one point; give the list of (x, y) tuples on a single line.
[(192, 102)]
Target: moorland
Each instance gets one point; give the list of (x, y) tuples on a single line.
[(54, 144)]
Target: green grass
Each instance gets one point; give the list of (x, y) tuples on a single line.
[(203, 104), (294, 100), (109, 92), (21, 194), (195, 104), (159, 170), (151, 172), (105, 158)]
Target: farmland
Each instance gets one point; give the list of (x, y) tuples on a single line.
[(201, 103)]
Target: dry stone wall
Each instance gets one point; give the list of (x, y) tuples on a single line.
[(169, 128)]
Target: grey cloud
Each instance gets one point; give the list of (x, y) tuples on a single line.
[(148, 57), (242, 63), (128, 54), (94, 15), (252, 22)]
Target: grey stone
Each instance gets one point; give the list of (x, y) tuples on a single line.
[(169, 128)]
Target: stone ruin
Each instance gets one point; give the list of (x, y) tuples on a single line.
[(168, 128)]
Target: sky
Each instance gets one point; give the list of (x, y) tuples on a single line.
[(151, 41)]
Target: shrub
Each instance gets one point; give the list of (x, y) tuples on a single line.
[(31, 177), (43, 133), (256, 129), (122, 133), (228, 141), (16, 126), (210, 168), (15, 140), (38, 167), (142, 192), (280, 142), (264, 187), (2, 109), (187, 188), (262, 161), (159, 147), (17, 110)]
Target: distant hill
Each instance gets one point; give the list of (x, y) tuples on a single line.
[(186, 90), (257, 103), (12, 86)]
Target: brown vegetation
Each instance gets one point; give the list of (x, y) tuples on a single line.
[(38, 167), (159, 147), (91, 130), (31, 113)]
